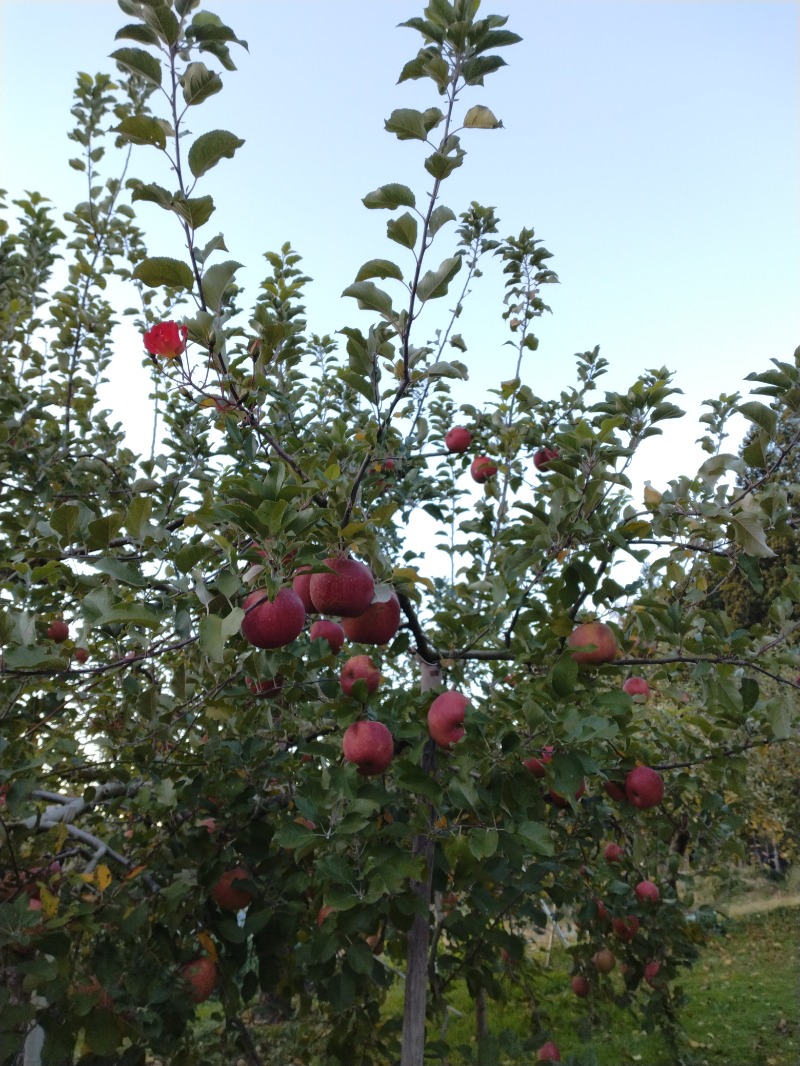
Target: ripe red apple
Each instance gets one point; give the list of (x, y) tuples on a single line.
[(446, 718), (651, 972), (269, 688), (647, 891), (614, 790), (548, 1053), (537, 766), (597, 633), (379, 623), (543, 457), (201, 976), (348, 591), (612, 853), (80, 655), (625, 928), (273, 623), (602, 910), (301, 584), (644, 787), (360, 668), (457, 439), (580, 986), (324, 629), (482, 468), (230, 892), (637, 686), (604, 960), (560, 801), (369, 745), (58, 631)]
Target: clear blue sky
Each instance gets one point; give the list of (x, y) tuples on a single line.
[(652, 145)]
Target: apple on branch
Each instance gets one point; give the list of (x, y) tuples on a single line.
[(647, 892), (446, 718), (457, 439), (324, 629), (637, 686), (347, 591), (548, 1052), (201, 976), (230, 893), (273, 623), (379, 623), (543, 457), (360, 668), (482, 469), (369, 745), (592, 643), (644, 787)]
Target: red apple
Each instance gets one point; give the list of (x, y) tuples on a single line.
[(580, 986), (80, 655), (543, 457), (612, 853), (614, 790), (537, 766), (548, 1053), (230, 892), (604, 960), (58, 631), (269, 688), (360, 668), (369, 745), (348, 591), (301, 584), (651, 972), (637, 686), (625, 928), (457, 439), (647, 891), (602, 910), (482, 468), (644, 787), (201, 976), (273, 623), (446, 718), (379, 623), (598, 634), (324, 629)]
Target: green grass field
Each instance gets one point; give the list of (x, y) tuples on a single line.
[(743, 1010)]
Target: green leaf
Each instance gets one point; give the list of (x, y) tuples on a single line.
[(162, 21), (137, 61), (390, 197), (407, 124), (214, 631), (215, 280), (153, 193), (564, 676), (142, 129), (444, 369), (483, 842), (199, 83), (370, 297), (441, 164), (207, 28), (379, 268), (481, 118), (439, 216), (161, 270), (434, 283), (762, 415), (403, 230), (537, 836), (209, 148), (137, 32), (195, 211), (65, 520), (751, 535), (475, 70), (120, 571)]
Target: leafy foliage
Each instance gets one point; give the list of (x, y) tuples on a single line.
[(153, 748)]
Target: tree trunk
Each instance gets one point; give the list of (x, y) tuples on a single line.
[(416, 993)]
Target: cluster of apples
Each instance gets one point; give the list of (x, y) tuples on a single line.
[(232, 892), (482, 469)]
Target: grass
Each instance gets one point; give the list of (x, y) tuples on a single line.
[(744, 1004)]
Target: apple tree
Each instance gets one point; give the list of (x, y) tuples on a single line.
[(254, 745)]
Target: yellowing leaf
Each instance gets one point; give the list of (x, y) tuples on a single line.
[(49, 902), (408, 573), (209, 945)]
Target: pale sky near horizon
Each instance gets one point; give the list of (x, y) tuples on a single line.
[(652, 145)]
